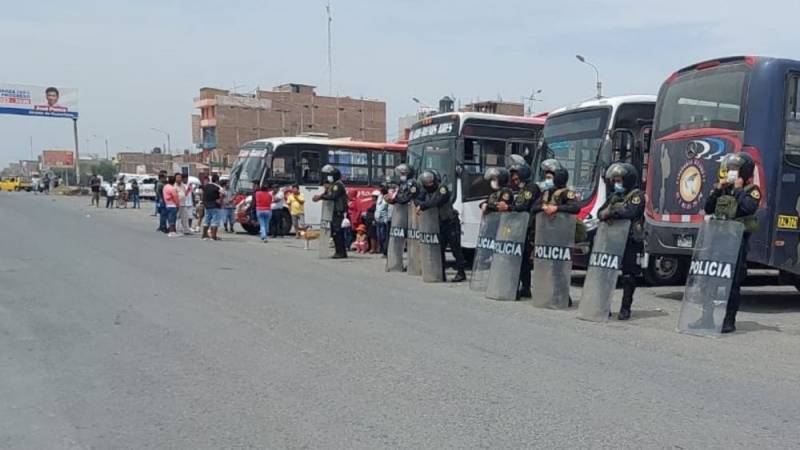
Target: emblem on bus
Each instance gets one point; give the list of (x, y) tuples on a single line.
[(690, 184)]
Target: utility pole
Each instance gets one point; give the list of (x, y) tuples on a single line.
[(31, 148), (107, 150), (596, 72), (330, 52)]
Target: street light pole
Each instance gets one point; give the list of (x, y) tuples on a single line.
[(596, 72), (169, 143)]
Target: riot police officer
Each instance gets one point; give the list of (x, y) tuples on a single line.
[(556, 196), (437, 195), (527, 194), (335, 191), (501, 195), (406, 186), (626, 202), (735, 197)]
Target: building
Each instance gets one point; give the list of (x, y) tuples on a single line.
[(133, 162), (496, 107), (228, 120)]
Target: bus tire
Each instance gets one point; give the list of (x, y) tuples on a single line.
[(250, 228), (666, 270)]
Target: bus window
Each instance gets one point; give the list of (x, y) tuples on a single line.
[(353, 164), (283, 164), (383, 164), (480, 154), (309, 167), (792, 141)]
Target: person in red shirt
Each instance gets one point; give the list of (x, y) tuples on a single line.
[(263, 202)]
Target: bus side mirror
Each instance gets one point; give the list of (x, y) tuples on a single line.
[(647, 134), (459, 170), (622, 142)]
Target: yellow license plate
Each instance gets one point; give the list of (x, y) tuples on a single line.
[(787, 222)]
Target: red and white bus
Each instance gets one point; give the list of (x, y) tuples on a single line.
[(286, 161)]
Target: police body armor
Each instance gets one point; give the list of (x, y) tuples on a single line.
[(326, 248), (397, 238), (429, 246), (509, 244), (711, 275), (552, 256), (605, 265), (727, 207), (484, 250)]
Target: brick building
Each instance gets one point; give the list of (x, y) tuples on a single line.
[(128, 162), (496, 107), (227, 120)]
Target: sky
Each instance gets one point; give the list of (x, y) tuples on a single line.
[(138, 65)]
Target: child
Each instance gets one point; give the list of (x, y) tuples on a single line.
[(362, 241)]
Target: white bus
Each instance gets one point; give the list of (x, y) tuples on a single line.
[(461, 146)]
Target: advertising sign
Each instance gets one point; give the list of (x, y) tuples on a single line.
[(44, 101), (58, 158)]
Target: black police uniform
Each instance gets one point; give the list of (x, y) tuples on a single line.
[(503, 195), (523, 202), (628, 205), (337, 192), (406, 192), (562, 197), (747, 200), (449, 226)]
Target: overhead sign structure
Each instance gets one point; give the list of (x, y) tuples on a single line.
[(42, 101)]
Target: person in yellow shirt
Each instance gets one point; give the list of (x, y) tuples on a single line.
[(297, 209)]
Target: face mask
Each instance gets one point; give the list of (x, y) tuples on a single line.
[(403, 178), (495, 185), (733, 175), (548, 184), (330, 178), (619, 188), (521, 184)]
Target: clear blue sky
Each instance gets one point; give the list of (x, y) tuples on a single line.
[(139, 64)]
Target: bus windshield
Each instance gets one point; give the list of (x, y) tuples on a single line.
[(437, 154), (704, 98), (575, 140)]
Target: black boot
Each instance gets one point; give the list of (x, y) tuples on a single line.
[(460, 276), (625, 309), (729, 324), (524, 292)]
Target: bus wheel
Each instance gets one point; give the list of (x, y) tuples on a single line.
[(250, 228), (666, 270)]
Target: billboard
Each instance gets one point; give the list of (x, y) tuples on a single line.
[(53, 159), (44, 101)]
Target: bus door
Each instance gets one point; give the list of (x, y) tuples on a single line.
[(479, 155), (786, 254), (309, 163)]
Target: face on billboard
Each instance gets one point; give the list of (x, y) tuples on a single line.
[(42, 101)]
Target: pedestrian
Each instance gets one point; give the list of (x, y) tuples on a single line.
[(227, 207), (94, 185), (46, 185), (111, 196), (122, 193), (189, 207), (438, 196), (263, 204), (135, 194), (160, 208), (297, 209), (362, 239), (181, 189), (171, 202), (336, 192), (527, 195), (369, 219), (347, 232), (735, 197), (278, 204), (213, 198), (626, 203), (382, 218)]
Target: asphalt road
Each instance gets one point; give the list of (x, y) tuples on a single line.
[(115, 336)]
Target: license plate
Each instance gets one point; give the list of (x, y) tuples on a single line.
[(684, 241)]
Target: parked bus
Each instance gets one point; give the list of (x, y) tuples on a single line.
[(705, 111), (461, 146), (587, 138), (285, 161)]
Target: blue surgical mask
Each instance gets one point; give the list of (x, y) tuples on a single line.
[(548, 184), (619, 188)]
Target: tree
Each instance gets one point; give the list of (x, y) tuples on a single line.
[(106, 170)]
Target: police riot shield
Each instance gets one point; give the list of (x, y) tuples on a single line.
[(397, 238), (414, 266), (552, 260), (711, 275), (509, 241), (429, 246), (326, 248), (605, 264), (483, 252)]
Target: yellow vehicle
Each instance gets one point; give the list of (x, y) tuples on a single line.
[(14, 184)]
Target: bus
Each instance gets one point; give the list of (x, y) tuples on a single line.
[(285, 161), (705, 111), (461, 146), (586, 138)]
